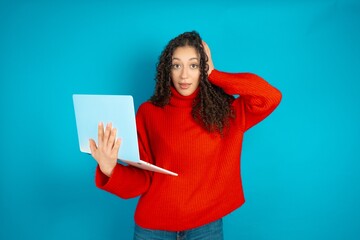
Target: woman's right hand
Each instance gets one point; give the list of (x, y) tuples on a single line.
[(208, 53), (106, 152)]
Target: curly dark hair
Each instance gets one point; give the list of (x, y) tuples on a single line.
[(212, 106)]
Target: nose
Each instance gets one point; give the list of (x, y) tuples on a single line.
[(184, 73)]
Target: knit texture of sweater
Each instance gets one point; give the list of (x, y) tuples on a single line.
[(209, 183)]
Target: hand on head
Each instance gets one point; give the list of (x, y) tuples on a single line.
[(208, 53)]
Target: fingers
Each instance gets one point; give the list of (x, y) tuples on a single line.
[(100, 133), (111, 140), (209, 62), (107, 134), (206, 48), (106, 153), (93, 147), (117, 146), (106, 139)]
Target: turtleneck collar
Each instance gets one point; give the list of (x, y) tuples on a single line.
[(178, 100)]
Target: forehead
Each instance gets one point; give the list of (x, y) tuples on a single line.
[(185, 53)]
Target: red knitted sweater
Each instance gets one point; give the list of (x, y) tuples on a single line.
[(209, 183)]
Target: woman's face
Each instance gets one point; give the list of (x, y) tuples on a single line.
[(185, 70)]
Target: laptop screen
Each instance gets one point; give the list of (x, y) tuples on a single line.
[(117, 109)]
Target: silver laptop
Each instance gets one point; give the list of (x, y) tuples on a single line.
[(119, 110)]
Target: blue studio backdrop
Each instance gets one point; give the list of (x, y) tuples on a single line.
[(300, 166)]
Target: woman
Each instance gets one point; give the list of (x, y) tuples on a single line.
[(193, 126)]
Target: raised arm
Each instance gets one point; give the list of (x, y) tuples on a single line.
[(257, 98)]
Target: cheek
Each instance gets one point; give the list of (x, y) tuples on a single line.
[(197, 78), (198, 83), (173, 75)]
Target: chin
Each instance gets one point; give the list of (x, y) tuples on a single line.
[(186, 93)]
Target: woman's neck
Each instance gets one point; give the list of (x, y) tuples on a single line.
[(178, 100)]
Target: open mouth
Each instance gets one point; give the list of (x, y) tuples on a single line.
[(184, 86)]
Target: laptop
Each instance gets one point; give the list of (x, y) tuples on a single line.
[(119, 110)]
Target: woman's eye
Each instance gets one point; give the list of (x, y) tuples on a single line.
[(194, 66), (176, 66)]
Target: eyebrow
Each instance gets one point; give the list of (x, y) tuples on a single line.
[(194, 58)]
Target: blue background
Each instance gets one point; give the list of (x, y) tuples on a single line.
[(300, 166)]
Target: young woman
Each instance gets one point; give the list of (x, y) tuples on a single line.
[(193, 126)]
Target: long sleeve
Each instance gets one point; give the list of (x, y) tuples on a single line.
[(128, 181), (257, 97), (125, 182)]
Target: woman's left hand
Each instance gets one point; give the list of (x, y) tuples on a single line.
[(208, 53)]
